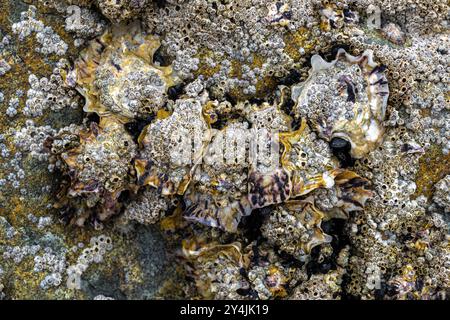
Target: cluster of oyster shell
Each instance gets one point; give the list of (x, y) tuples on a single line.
[(343, 102)]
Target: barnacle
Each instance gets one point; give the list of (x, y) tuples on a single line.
[(149, 208), (231, 270), (406, 286), (99, 167), (117, 76), (269, 116), (320, 287), (345, 98), (441, 196)]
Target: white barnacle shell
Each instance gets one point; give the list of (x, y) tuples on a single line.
[(345, 98)]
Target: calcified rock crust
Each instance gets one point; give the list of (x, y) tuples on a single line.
[(224, 149)]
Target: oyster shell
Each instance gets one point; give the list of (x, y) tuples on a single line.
[(295, 227), (219, 173), (99, 167), (172, 147), (122, 10), (217, 268), (311, 166), (219, 182), (116, 75), (231, 270), (345, 98)]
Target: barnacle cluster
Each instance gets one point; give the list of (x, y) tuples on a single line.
[(280, 149)]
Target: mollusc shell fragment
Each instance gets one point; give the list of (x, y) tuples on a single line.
[(305, 177)]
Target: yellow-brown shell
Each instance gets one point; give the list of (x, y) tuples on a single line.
[(218, 192), (116, 75), (268, 116), (200, 251), (219, 182), (220, 211)]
